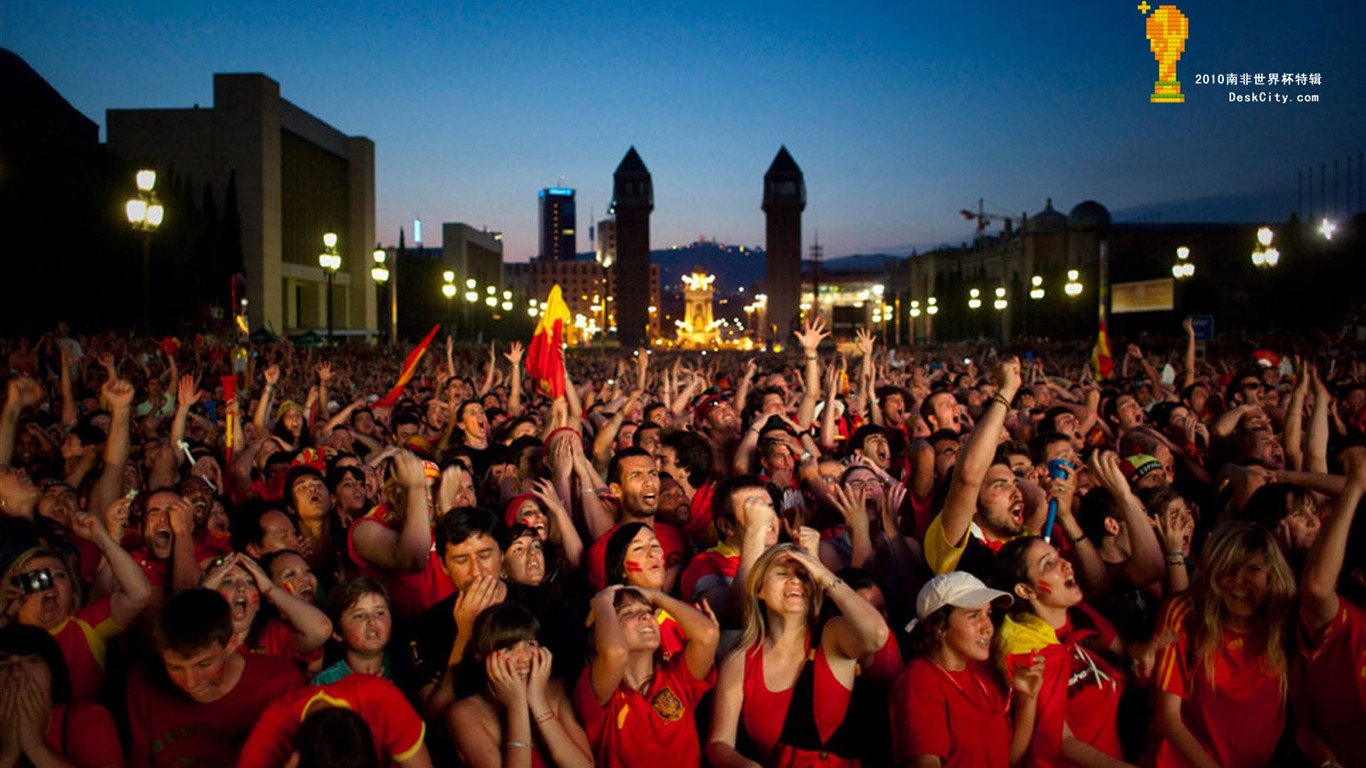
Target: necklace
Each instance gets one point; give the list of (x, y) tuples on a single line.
[(986, 694)]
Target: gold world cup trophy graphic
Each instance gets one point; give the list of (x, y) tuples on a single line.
[(1168, 29)]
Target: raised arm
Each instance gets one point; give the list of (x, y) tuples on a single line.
[(813, 331), (1188, 376), (23, 393), (263, 405), (976, 456), (1316, 450), (406, 549), (1319, 581), (134, 591), (68, 396), (119, 395), (609, 644), (514, 358), (1293, 434), (311, 626), (1146, 559)]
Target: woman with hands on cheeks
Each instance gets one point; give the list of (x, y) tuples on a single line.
[(519, 716)]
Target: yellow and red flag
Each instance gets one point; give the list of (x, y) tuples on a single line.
[(1101, 361), (545, 354), (409, 368)]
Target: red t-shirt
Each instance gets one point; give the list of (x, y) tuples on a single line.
[(1330, 685), (412, 592), (168, 729), (1239, 718), (85, 733), (699, 511), (279, 638), (675, 552), (158, 572), (397, 729), (932, 707), (655, 730), (714, 568), (84, 641)]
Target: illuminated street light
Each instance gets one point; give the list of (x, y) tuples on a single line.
[(448, 285), (974, 299), (1073, 286), (330, 260), (380, 274), (1000, 303), (145, 215), (1184, 267), (1036, 290), (915, 308), (1263, 255), (933, 308), (1327, 228)]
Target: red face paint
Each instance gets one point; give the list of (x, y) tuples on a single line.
[(634, 567), (254, 598), (1043, 588)]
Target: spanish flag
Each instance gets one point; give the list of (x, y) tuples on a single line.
[(1101, 361), (545, 354), (409, 368)]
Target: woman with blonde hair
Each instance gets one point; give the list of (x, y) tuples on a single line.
[(1222, 683), (790, 681)]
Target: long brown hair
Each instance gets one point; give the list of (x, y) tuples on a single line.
[(1229, 547), (756, 612)]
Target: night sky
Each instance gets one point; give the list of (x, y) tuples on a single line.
[(899, 117)]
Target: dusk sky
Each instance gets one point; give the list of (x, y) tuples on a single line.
[(900, 114)]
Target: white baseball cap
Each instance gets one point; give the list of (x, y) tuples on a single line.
[(957, 588)]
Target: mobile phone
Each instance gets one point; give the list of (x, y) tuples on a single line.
[(33, 581)]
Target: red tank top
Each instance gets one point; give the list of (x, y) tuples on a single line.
[(765, 711)]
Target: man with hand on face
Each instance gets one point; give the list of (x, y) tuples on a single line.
[(198, 703), (633, 478), (168, 553)]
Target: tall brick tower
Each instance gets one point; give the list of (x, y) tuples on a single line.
[(633, 199), (784, 201)]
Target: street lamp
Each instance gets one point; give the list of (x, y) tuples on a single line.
[(932, 307), (330, 261), (380, 273), (1036, 291), (1183, 268), (1263, 255), (1327, 228), (1073, 286), (448, 287), (974, 299), (145, 214), (1000, 303)]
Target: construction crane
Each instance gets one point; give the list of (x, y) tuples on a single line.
[(982, 217)]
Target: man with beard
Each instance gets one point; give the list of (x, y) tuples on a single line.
[(633, 480), (198, 704), (985, 506), (168, 553)]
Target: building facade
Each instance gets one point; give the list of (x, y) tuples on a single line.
[(295, 178), (558, 236)]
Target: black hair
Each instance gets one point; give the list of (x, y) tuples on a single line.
[(1040, 442), (192, 621), (1011, 567), (345, 595), (460, 523), (336, 475), (614, 466), (722, 503), (246, 525), (335, 737), (692, 454), (635, 438), (615, 556), (22, 640), (927, 636), (862, 434), (303, 470)]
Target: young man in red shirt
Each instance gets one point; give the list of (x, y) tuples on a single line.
[(198, 705)]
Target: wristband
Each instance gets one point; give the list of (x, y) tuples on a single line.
[(547, 717), (837, 582), (1176, 559), (1000, 398)]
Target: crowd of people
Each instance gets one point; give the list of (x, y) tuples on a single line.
[(835, 556)]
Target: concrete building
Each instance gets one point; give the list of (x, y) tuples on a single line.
[(472, 254), (633, 201), (606, 248), (296, 178), (557, 216), (784, 201)]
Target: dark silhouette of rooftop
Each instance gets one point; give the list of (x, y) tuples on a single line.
[(32, 112)]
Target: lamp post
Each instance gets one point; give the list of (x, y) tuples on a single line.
[(381, 275), (1183, 268), (471, 296), (1263, 255), (145, 214), (330, 261)]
